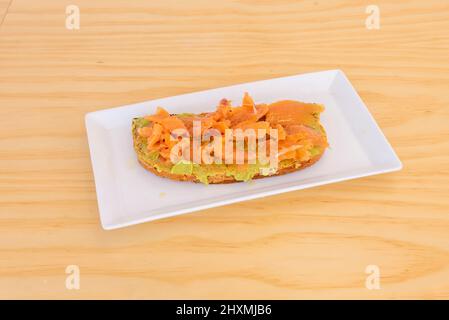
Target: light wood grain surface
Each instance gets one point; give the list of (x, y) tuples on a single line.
[(313, 243)]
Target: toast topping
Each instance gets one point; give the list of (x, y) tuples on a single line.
[(298, 137)]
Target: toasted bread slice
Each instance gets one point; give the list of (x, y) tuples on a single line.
[(216, 174), (300, 139)]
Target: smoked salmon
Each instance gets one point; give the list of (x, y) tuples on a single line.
[(293, 127)]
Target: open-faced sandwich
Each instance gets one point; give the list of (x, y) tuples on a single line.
[(231, 144)]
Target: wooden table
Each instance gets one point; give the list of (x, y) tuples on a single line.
[(314, 243)]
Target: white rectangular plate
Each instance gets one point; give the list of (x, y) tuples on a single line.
[(128, 194)]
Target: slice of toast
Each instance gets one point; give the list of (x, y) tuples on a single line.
[(212, 174)]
